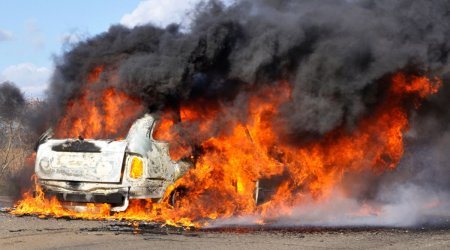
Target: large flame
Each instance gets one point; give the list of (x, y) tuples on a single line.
[(99, 112), (233, 156)]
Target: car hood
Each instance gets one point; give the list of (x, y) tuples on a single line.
[(81, 160)]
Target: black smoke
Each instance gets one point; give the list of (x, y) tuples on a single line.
[(12, 101), (334, 53)]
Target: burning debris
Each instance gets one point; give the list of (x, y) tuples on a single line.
[(112, 172), (293, 100)]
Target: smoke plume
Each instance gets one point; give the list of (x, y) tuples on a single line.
[(11, 101)]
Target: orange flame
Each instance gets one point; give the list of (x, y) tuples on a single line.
[(99, 113), (233, 158)]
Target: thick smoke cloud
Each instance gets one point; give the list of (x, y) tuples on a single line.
[(335, 54)]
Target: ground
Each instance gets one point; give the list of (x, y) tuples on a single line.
[(29, 232)]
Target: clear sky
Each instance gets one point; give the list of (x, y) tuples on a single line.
[(32, 32)]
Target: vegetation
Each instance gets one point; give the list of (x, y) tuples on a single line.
[(16, 138)]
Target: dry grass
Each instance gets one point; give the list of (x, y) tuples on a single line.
[(16, 147), (14, 152), (12, 163)]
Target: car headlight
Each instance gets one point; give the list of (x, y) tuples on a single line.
[(44, 164), (137, 168)]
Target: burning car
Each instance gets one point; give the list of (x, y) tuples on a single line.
[(78, 171)]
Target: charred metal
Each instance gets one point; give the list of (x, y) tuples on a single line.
[(101, 171)]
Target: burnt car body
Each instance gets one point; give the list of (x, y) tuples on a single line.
[(78, 171)]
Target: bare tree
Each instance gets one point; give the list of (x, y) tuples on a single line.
[(13, 149)]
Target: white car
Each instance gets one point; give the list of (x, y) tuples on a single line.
[(77, 171)]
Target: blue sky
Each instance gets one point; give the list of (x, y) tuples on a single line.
[(32, 32), (38, 27)]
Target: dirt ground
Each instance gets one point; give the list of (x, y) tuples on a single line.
[(34, 233)]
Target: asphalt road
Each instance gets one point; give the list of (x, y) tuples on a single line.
[(29, 232)]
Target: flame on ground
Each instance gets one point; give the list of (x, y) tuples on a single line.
[(235, 155)]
